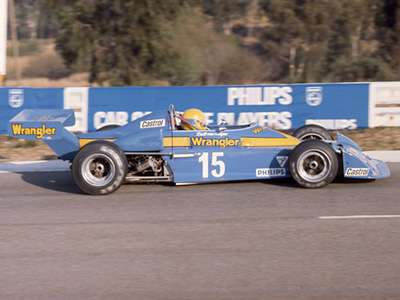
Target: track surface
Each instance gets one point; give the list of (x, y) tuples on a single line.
[(247, 240)]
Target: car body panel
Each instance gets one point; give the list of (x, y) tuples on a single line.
[(215, 165), (357, 164), (231, 154)]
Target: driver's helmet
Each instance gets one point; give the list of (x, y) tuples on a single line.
[(196, 119)]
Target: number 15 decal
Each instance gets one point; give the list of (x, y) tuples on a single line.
[(219, 165)]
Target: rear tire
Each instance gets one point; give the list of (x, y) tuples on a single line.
[(313, 164), (313, 132), (99, 168), (108, 127)]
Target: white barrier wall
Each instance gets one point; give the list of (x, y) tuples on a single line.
[(77, 98), (384, 104)]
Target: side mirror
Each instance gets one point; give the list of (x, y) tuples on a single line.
[(221, 129), (222, 124)]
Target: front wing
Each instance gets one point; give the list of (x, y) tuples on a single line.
[(357, 164)]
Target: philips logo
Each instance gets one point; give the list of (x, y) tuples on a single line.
[(270, 172), (152, 123), (260, 95), (16, 98), (357, 172), (314, 95)]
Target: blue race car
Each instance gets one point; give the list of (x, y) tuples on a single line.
[(165, 146)]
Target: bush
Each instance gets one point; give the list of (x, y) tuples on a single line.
[(26, 144), (363, 69), (25, 47), (48, 64)]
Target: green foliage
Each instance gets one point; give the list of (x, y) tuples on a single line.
[(34, 20), (224, 13), (196, 42), (388, 33), (362, 69), (46, 65), (118, 40), (203, 56), (26, 47), (299, 35), (199, 53), (26, 144), (320, 40)]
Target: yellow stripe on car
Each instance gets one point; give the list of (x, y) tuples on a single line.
[(287, 140), (83, 142), (181, 141)]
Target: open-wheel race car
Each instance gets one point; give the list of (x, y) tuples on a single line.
[(165, 146)]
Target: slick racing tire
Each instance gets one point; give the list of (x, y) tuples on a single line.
[(99, 168), (313, 132), (313, 164)]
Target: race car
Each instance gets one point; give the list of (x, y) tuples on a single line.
[(166, 146)]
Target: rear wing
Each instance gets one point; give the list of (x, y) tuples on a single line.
[(47, 125)]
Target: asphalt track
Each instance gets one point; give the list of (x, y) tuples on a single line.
[(246, 240)]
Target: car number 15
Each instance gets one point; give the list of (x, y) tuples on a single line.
[(219, 166)]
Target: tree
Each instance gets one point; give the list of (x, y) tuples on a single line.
[(204, 56), (351, 54), (121, 42), (137, 42), (224, 13), (327, 40), (298, 34), (388, 33)]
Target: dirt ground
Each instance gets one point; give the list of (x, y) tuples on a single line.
[(381, 138)]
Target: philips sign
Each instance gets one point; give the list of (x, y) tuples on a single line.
[(260, 95)]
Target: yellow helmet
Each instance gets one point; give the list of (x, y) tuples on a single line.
[(195, 118)]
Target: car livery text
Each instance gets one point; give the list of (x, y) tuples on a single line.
[(38, 132), (357, 172), (152, 123), (221, 143)]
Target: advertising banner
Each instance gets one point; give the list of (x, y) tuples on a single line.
[(283, 107)]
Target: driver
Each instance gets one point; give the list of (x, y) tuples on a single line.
[(195, 120)]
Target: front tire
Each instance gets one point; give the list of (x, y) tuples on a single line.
[(313, 164), (99, 168)]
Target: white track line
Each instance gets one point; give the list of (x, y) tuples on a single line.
[(358, 217)]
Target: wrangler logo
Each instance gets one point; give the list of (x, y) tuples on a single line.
[(221, 143), (259, 129), (38, 132)]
